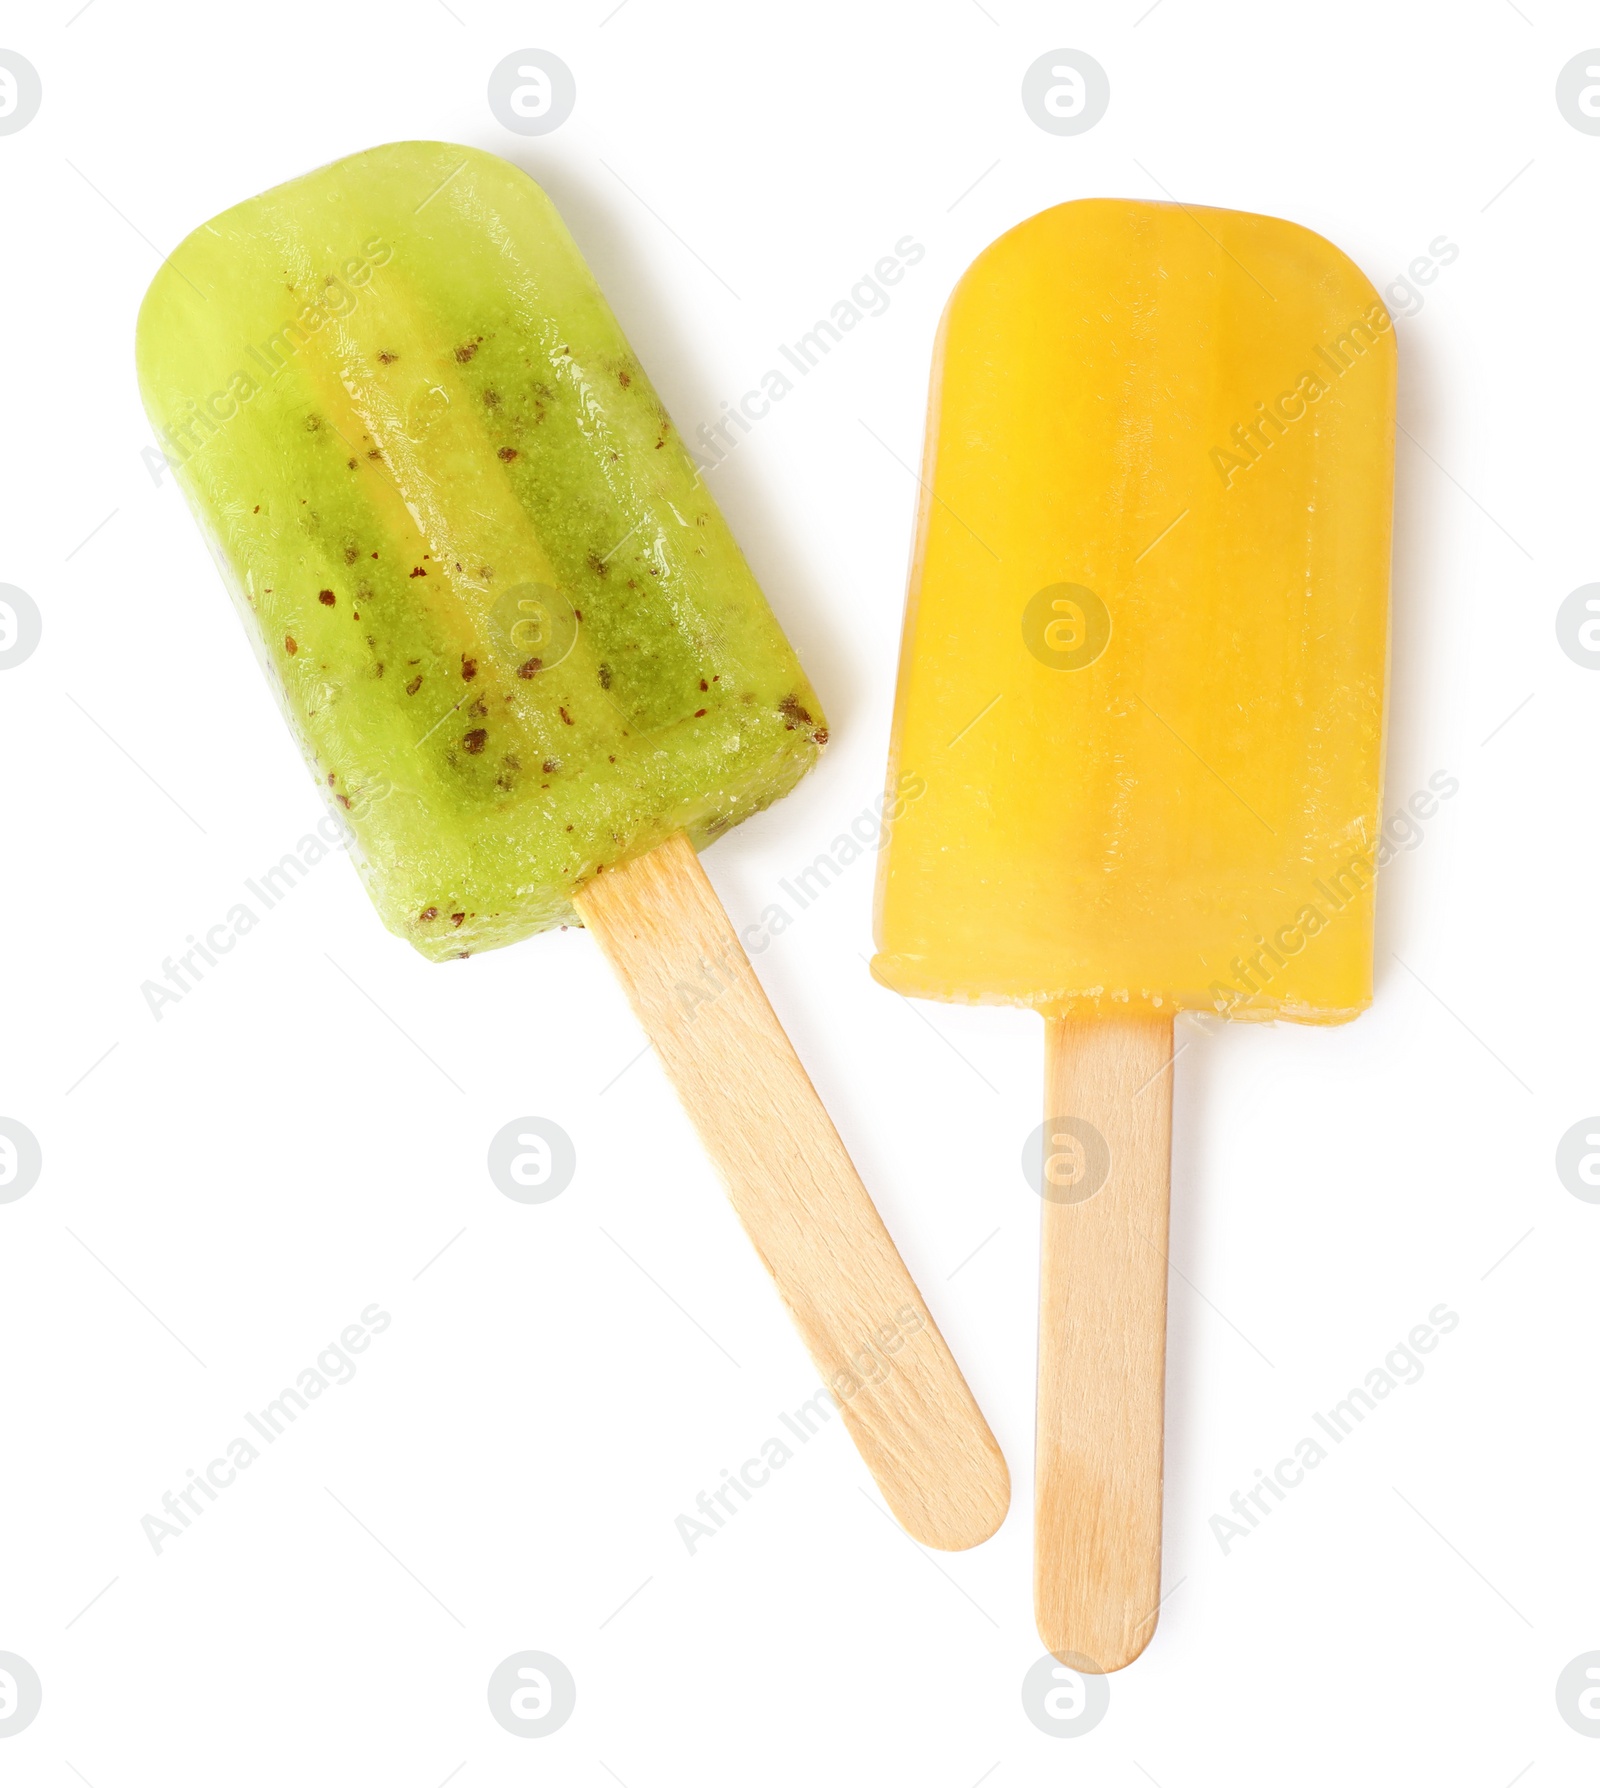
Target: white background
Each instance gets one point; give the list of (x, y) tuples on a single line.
[(303, 1133)]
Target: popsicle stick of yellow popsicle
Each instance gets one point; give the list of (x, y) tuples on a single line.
[(1141, 697)]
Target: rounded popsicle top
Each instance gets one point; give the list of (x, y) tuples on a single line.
[(1106, 233), (1137, 746), (324, 217), (504, 617)]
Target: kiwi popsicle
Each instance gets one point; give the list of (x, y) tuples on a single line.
[(508, 625), (520, 649)]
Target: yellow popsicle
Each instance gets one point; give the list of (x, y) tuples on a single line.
[(1143, 669), (1137, 753)]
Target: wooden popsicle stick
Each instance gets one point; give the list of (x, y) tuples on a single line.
[(901, 1394), (1102, 1337)]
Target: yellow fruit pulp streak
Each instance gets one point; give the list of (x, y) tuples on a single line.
[(1138, 736)]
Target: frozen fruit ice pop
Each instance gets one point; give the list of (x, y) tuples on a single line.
[(507, 623), (1141, 699), (1143, 672), (522, 652)]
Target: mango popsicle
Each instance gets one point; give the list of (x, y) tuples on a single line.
[(520, 649), (1142, 681)]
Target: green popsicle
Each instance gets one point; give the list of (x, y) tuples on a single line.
[(508, 625), (521, 650)]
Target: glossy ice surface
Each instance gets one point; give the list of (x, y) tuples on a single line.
[(508, 625), (1139, 727)]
